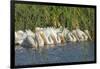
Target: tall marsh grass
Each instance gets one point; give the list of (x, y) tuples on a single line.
[(31, 16)]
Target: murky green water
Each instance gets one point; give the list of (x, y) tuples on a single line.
[(69, 52)]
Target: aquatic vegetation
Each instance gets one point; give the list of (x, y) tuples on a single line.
[(32, 16)]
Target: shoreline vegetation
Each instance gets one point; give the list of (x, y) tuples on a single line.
[(41, 21)]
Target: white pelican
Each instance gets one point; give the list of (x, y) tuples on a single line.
[(46, 35), (38, 37), (65, 32), (81, 35), (54, 36), (71, 37), (29, 42), (75, 34), (19, 37), (47, 39), (60, 37), (87, 33), (30, 33)]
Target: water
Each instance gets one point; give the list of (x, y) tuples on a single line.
[(69, 52)]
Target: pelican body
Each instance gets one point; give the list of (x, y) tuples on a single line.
[(49, 36)]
